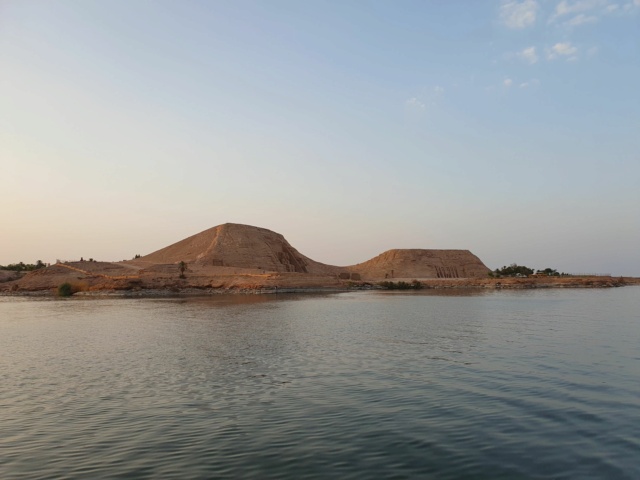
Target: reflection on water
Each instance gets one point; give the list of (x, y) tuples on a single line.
[(448, 384)]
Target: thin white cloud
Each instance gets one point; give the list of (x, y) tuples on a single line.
[(529, 55), (507, 82), (414, 104), (566, 7), (562, 49), (518, 14), (582, 12), (623, 7), (426, 99), (534, 82), (581, 19)]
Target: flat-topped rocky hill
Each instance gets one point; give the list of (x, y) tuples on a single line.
[(420, 263)]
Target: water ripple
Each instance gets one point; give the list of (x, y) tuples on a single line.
[(491, 385)]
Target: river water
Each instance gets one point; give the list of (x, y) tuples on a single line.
[(468, 384)]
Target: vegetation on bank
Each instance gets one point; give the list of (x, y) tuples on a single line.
[(414, 285), (67, 289), (182, 267), (551, 272), (515, 270), (23, 267)]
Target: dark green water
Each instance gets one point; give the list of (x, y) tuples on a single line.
[(526, 384)]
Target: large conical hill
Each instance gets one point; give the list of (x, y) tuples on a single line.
[(240, 246)]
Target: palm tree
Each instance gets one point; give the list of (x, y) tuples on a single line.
[(182, 266)]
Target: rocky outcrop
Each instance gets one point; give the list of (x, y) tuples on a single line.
[(419, 263)]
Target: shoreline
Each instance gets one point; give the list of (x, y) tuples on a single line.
[(173, 290)]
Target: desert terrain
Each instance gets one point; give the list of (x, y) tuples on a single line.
[(234, 258)]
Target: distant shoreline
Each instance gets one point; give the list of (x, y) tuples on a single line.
[(234, 258), (186, 290)]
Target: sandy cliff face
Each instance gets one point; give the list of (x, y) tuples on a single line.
[(419, 263)]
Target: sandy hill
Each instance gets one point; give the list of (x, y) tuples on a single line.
[(243, 256), (420, 263), (243, 246)]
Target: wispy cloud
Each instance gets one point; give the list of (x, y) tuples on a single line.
[(426, 99), (566, 7), (414, 104), (581, 19), (518, 14), (577, 7), (529, 55), (563, 49), (631, 5), (534, 82), (563, 17), (507, 82)]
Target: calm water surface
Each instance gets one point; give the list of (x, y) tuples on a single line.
[(525, 384)]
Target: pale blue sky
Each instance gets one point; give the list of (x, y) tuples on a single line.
[(510, 128)]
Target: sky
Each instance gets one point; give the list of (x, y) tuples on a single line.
[(509, 128)]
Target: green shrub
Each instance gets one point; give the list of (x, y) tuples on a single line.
[(514, 270), (22, 267), (414, 285), (65, 290)]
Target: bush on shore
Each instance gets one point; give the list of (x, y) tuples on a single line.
[(67, 289), (414, 285)]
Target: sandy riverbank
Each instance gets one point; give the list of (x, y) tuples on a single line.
[(195, 285)]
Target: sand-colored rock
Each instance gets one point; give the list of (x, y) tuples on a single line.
[(233, 257), (419, 263), (9, 275), (261, 250), (235, 245), (83, 275)]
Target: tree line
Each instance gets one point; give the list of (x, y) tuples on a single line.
[(23, 267), (515, 270)]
